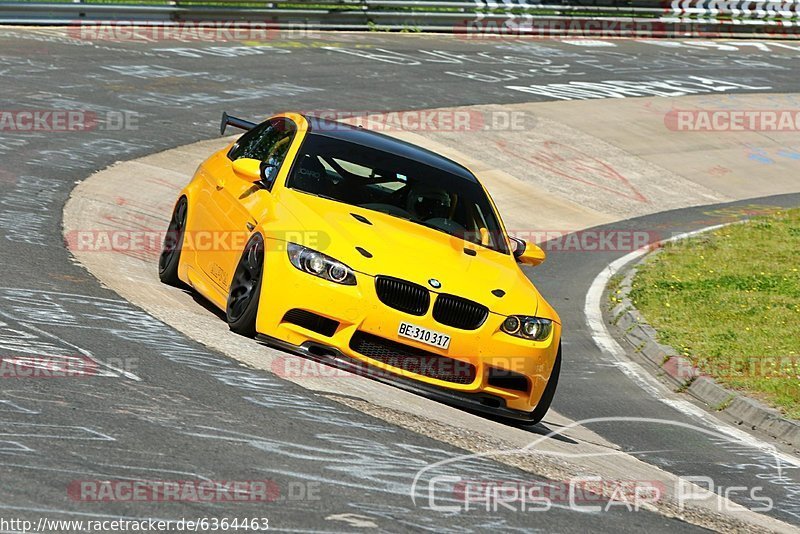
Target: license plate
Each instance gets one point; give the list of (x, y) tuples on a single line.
[(423, 335)]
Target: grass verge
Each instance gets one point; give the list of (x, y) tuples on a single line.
[(729, 300)]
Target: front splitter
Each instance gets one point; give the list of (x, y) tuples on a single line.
[(483, 403)]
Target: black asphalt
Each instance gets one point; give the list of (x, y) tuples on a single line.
[(195, 414)]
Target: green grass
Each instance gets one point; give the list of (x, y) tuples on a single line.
[(730, 302)]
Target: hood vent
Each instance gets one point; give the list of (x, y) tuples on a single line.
[(364, 252), (361, 218)]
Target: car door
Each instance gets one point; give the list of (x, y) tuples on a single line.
[(235, 202)]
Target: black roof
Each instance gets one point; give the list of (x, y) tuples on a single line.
[(379, 141)]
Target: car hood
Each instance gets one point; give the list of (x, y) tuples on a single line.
[(412, 252)]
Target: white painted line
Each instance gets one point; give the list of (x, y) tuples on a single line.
[(639, 375)]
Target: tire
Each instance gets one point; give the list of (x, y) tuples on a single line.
[(549, 392), (245, 290), (173, 244)]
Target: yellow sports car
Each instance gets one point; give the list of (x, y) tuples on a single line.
[(371, 254)]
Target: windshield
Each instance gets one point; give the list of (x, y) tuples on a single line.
[(380, 181)]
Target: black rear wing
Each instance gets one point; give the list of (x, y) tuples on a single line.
[(236, 123)]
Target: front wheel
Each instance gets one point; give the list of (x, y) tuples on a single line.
[(242, 308), (173, 244), (549, 392)]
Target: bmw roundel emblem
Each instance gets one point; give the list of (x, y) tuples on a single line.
[(435, 284)]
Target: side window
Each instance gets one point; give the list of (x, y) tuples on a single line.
[(268, 142), (244, 144)]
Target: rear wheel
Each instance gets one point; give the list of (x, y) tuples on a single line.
[(243, 297), (173, 243), (549, 392)]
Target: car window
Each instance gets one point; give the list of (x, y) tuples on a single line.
[(268, 142), (354, 168), (381, 181)]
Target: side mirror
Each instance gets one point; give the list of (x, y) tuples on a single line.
[(248, 169), (527, 253), (253, 170)]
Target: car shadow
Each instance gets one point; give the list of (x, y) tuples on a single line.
[(207, 305), (544, 430), (541, 429)]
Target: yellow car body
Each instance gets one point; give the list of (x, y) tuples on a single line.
[(227, 202)]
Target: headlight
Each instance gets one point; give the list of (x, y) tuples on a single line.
[(526, 327), (318, 264)]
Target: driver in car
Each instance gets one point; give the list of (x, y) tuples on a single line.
[(426, 203)]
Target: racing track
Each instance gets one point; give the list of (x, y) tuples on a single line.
[(184, 411)]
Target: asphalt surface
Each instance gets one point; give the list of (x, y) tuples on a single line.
[(180, 411)]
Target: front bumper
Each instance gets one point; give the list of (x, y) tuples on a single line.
[(476, 402), (357, 309)]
